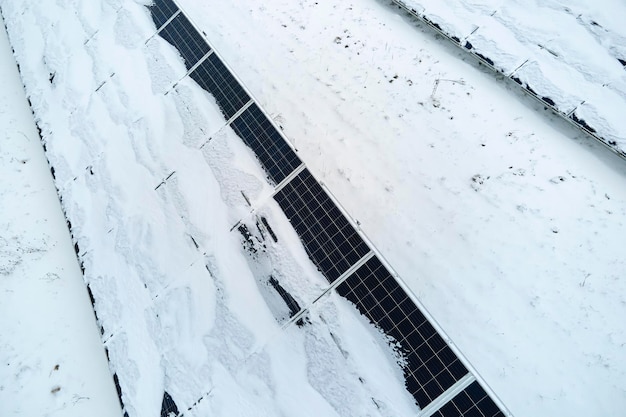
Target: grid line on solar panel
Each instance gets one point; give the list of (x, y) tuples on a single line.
[(328, 237), (276, 156), (181, 33), (432, 367), (213, 76), (473, 401), (161, 11)]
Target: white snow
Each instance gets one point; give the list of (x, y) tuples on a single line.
[(498, 216), (570, 52), (52, 361), (506, 223)]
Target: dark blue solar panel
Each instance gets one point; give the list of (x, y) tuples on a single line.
[(184, 37), (473, 401), (214, 77), (328, 237), (161, 11), (275, 154), (432, 367)]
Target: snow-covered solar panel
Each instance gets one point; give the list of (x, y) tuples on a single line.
[(327, 235), (274, 153), (473, 401), (184, 37), (330, 240), (161, 11), (213, 76), (432, 367)]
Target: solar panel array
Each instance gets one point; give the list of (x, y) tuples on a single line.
[(473, 401), (334, 245), (275, 154), (183, 36), (327, 235), (161, 11), (432, 366), (213, 76)]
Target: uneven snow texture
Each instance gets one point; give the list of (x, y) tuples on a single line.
[(184, 307), (572, 54), (509, 226)]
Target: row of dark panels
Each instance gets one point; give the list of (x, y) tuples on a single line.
[(206, 69), (327, 235)]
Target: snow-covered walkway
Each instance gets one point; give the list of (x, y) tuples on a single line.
[(52, 359)]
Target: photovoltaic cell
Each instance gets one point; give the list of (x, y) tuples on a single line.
[(168, 406), (162, 10), (432, 367), (184, 37), (328, 237), (214, 77), (278, 159), (473, 401)]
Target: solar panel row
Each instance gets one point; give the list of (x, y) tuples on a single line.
[(213, 76), (431, 366), (327, 235), (161, 11), (183, 36), (473, 401), (252, 126), (330, 240), (275, 154)]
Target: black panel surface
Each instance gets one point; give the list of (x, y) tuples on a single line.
[(168, 406), (473, 401), (162, 10), (291, 302), (329, 239), (278, 159), (214, 77), (184, 37), (432, 367)]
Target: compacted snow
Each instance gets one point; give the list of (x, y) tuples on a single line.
[(506, 223)]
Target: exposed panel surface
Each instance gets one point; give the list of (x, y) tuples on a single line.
[(328, 237), (432, 367), (330, 240), (161, 11), (473, 401), (184, 37), (275, 154), (213, 76)]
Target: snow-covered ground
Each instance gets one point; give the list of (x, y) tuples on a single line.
[(507, 224), (52, 359)]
